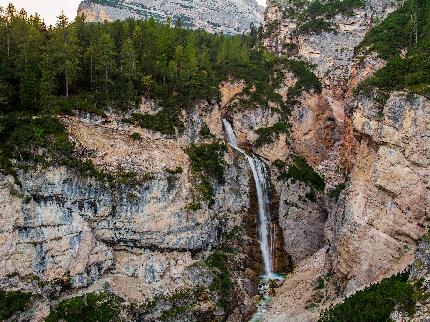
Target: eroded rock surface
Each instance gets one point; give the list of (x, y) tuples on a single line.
[(231, 17)]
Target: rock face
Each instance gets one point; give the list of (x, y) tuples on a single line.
[(379, 150), (388, 201), (230, 17), (143, 237), (139, 239)]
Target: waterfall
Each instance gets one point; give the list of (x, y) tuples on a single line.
[(262, 185)]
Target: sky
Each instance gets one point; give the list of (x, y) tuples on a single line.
[(49, 10)]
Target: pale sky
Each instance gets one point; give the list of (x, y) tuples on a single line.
[(49, 10)]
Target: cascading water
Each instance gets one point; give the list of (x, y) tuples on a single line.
[(262, 186), (265, 229)]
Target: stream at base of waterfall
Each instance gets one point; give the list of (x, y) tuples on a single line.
[(265, 229)]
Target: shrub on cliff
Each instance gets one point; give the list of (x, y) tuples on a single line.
[(207, 159), (300, 170), (403, 39), (375, 303), (314, 17), (12, 302), (91, 307)]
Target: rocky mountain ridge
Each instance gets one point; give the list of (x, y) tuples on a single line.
[(229, 17)]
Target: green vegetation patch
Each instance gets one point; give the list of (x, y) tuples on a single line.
[(311, 195), (300, 170), (206, 163), (91, 307), (163, 122), (267, 135), (175, 312), (375, 303), (315, 27), (411, 73), (315, 16), (109, 66), (205, 132), (222, 283), (207, 159), (335, 193), (13, 302), (331, 8), (306, 79), (407, 29)]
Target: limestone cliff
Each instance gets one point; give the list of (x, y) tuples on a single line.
[(230, 17), (146, 224), (374, 223)]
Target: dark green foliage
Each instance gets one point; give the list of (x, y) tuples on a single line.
[(206, 163), (92, 307), (174, 312), (178, 170), (162, 122), (93, 67), (320, 283), (408, 28), (315, 26), (235, 233), (194, 206), (314, 18), (329, 9), (222, 283), (411, 73), (396, 32), (12, 302), (267, 135), (136, 136), (207, 159), (263, 76), (306, 79), (205, 190), (311, 195), (42, 138), (375, 303), (335, 193), (300, 170), (205, 132), (279, 164)]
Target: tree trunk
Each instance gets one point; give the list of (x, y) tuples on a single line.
[(67, 83), (91, 69), (8, 46), (106, 78)]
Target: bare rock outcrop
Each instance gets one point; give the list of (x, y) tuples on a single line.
[(229, 17), (388, 200)]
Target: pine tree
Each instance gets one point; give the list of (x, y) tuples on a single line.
[(10, 14), (66, 52), (223, 52), (179, 58), (128, 60), (89, 57), (104, 62)]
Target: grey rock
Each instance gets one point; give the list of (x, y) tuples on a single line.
[(229, 17)]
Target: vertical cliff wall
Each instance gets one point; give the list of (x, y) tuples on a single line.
[(372, 156)]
